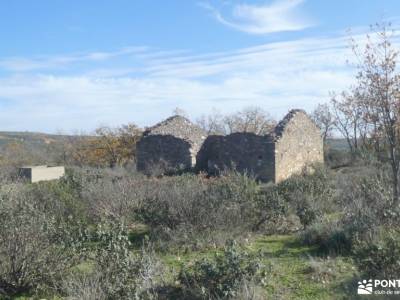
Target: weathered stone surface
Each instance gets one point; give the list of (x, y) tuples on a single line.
[(244, 152), (169, 146), (295, 144), (298, 144), (177, 144)]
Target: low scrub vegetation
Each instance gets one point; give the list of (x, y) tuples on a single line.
[(223, 276), (113, 234)]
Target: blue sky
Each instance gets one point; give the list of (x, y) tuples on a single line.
[(74, 65)]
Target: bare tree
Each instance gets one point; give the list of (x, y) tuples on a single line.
[(324, 118), (348, 117), (212, 123), (379, 78), (250, 119), (368, 115)]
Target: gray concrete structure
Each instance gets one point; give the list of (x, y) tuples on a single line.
[(41, 173)]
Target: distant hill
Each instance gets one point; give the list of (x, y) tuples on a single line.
[(34, 139), (338, 144), (33, 147)]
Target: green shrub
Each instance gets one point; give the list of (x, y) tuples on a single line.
[(36, 249), (120, 273), (367, 200), (364, 202), (379, 257), (309, 196), (271, 208), (188, 208), (329, 236), (61, 198), (223, 276), (306, 211)]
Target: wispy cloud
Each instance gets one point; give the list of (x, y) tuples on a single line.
[(145, 86), (22, 64), (280, 15)]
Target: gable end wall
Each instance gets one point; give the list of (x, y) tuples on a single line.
[(299, 146)]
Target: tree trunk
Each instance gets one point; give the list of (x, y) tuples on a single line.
[(395, 182), (397, 187)]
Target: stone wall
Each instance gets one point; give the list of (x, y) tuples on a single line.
[(298, 144), (170, 146), (245, 152), (176, 144), (163, 154)]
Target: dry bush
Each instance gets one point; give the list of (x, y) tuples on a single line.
[(379, 256), (250, 290), (84, 287), (118, 272), (366, 203), (35, 248), (309, 196), (322, 269), (113, 199), (192, 208), (8, 174), (368, 200)]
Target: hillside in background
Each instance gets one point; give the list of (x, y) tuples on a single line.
[(338, 144), (34, 139), (33, 147), (37, 140)]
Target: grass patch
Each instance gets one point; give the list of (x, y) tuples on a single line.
[(294, 272)]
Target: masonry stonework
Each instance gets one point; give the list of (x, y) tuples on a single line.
[(298, 144), (245, 152), (170, 146), (294, 145)]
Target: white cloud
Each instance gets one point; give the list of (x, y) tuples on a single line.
[(22, 64), (275, 76), (280, 15)]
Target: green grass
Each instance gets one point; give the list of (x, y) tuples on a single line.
[(295, 271)]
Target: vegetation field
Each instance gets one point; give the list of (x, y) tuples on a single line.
[(195, 237)]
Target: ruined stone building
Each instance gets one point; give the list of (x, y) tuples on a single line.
[(294, 144), (169, 146)]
